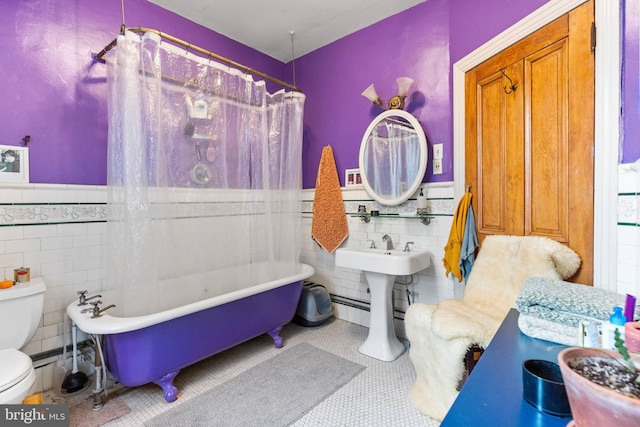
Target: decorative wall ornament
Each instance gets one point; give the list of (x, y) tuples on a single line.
[(14, 164)]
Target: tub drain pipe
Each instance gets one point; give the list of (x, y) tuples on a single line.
[(98, 376)]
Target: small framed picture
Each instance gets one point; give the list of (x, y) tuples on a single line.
[(352, 177), (14, 164)]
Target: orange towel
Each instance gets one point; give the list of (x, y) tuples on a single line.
[(329, 226)]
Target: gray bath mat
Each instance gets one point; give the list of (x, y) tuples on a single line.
[(276, 392)]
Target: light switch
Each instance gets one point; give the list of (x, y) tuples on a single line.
[(437, 151)]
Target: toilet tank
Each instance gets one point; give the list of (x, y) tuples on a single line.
[(20, 312)]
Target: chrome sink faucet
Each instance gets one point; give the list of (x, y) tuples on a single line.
[(387, 238)]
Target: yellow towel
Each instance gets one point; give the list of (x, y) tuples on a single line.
[(329, 226), (452, 249)]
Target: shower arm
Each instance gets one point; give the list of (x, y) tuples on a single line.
[(141, 30)]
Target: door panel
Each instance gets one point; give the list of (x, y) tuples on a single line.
[(491, 160), (546, 143), (499, 121)]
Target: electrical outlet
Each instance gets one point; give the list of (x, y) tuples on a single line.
[(437, 151), (437, 166)]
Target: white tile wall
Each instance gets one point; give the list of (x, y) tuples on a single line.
[(59, 232), (628, 270)]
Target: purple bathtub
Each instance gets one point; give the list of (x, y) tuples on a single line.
[(154, 348)]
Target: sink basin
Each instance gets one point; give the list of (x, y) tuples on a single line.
[(395, 262)]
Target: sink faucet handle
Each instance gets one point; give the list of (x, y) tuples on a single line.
[(373, 244), (406, 246)]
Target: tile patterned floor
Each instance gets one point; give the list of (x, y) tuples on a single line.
[(376, 397)]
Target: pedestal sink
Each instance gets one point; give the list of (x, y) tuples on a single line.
[(380, 268)]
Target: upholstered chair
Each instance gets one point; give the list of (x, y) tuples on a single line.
[(440, 335)]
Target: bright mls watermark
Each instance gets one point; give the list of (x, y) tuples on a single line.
[(34, 415)]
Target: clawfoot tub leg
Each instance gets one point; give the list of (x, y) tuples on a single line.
[(275, 334), (166, 382)]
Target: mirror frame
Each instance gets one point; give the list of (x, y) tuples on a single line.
[(422, 166)]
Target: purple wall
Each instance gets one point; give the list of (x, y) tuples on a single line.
[(53, 91), (495, 16), (413, 44), (631, 88), (421, 43)]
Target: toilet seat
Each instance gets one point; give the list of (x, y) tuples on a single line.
[(15, 366)]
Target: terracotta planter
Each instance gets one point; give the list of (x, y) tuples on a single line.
[(593, 405), (632, 335)]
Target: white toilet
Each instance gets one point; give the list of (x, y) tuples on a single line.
[(20, 311)]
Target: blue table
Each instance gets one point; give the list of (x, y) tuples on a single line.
[(492, 395)]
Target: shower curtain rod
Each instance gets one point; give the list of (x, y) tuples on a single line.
[(141, 30)]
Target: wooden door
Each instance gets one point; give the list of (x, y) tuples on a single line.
[(529, 149)]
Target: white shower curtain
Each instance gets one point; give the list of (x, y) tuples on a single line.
[(204, 174)]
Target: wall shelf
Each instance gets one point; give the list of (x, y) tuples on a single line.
[(366, 217)]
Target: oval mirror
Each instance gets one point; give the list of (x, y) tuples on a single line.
[(393, 157)]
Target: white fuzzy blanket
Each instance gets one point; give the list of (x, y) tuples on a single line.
[(441, 334)]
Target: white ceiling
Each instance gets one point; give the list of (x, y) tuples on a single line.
[(267, 25)]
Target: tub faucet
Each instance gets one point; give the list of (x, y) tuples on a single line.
[(96, 311), (82, 299), (387, 238), (99, 313)]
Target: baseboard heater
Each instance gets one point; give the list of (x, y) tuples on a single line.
[(361, 305), (58, 351)]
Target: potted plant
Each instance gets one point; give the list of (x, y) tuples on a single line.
[(603, 386)]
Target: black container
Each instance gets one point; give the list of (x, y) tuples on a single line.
[(543, 387), (314, 307)]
